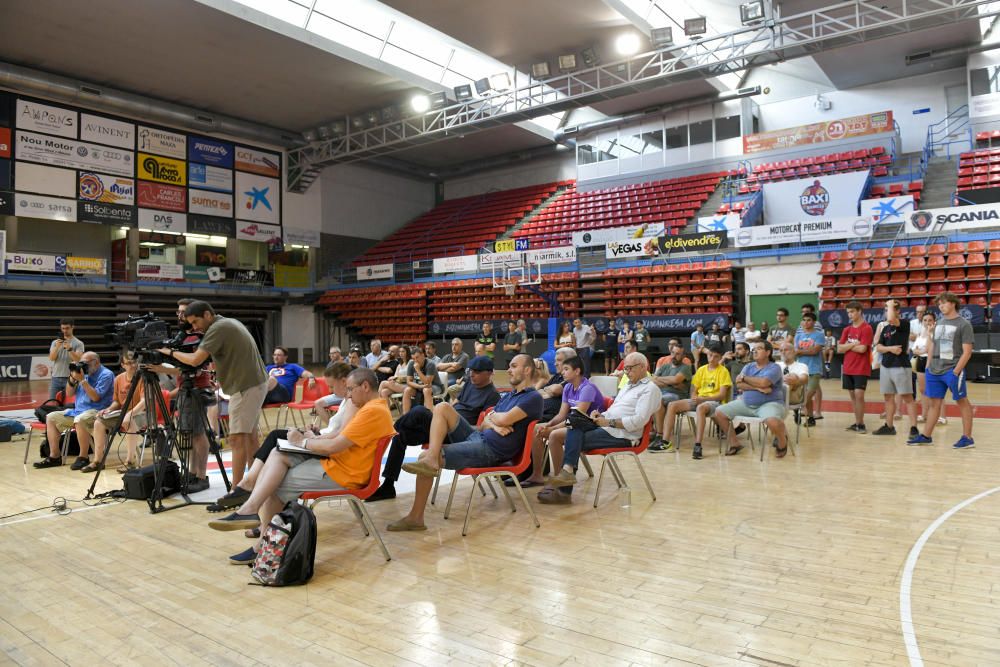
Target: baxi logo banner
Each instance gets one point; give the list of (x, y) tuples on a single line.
[(835, 196), (814, 199)]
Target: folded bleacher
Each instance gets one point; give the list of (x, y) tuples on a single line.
[(694, 288), (875, 159), (979, 169)]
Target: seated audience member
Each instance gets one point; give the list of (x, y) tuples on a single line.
[(336, 376), (397, 383), (455, 362), (355, 359), (108, 417), (430, 348), (454, 443), (664, 359), (335, 356), (422, 380), (387, 364), (282, 376), (698, 345), (717, 337), (752, 335), (621, 425), (762, 396), (735, 361), (619, 372), (552, 390), (413, 428), (795, 374), (377, 355), (341, 462), (673, 378), (710, 388), (542, 374), (94, 389), (578, 393)]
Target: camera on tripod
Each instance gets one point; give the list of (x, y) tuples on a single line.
[(144, 335)]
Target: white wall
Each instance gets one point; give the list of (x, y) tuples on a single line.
[(363, 202), (791, 102), (548, 170), (298, 329), (784, 278), (304, 211)]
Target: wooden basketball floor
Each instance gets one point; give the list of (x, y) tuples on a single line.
[(810, 560)]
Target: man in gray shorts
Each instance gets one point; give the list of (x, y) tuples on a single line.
[(763, 397), (894, 376)]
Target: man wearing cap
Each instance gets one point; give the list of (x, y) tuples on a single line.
[(413, 428)]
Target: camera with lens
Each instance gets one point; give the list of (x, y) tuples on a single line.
[(77, 367), (144, 335)]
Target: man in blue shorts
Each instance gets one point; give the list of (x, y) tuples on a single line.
[(763, 396), (949, 351)]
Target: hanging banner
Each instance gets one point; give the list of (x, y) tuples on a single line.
[(157, 195), (667, 323), (211, 225), (820, 197), (162, 142), (154, 271), (536, 326), (90, 266), (510, 245), (23, 261), (210, 151), (107, 189), (119, 215), (162, 221), (258, 162), (255, 231), (488, 259), (45, 118), (815, 133), (375, 272), (632, 248), (720, 223), (258, 198), (457, 264), (4, 142), (210, 203), (888, 210), (603, 236), (107, 131), (559, 255), (692, 242), (73, 154), (852, 229), (946, 220), (46, 180), (48, 208), (161, 169), (207, 177), (6, 203), (300, 236)]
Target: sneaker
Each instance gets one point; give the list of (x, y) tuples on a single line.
[(198, 484), (235, 522), (92, 467), (885, 429), (696, 454), (920, 439), (942, 420), (914, 432), (811, 421), (965, 442), (564, 478), (657, 446), (549, 496), (245, 557), (857, 428), (80, 463), (861, 428), (48, 463)]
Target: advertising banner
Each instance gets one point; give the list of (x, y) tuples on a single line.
[(488, 259), (291, 276), (46, 180), (4, 142), (154, 271), (632, 248), (207, 177), (15, 367), (162, 221), (603, 236), (258, 198), (210, 255), (820, 197), (692, 242), (946, 220), (5, 174), (161, 169), (166, 197), (3, 251), (107, 189), (211, 225), (39, 117), (667, 323), (119, 215), (720, 223), (48, 208), (375, 272), (255, 231), (91, 266), (510, 245), (6, 203), (559, 255), (107, 131), (258, 162), (457, 264), (536, 326), (210, 203), (23, 261), (300, 236), (202, 274), (210, 151), (73, 154), (852, 229), (162, 142), (837, 319), (815, 133), (888, 209)]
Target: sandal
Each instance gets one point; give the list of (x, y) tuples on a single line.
[(92, 467), (733, 451), (252, 533), (129, 465), (780, 452)]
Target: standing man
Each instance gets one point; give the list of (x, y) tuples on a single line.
[(697, 344), (511, 343), (487, 340), (809, 348), (895, 376), (63, 350), (240, 372), (855, 345), (949, 351), (640, 336), (522, 330), (779, 332), (584, 336)]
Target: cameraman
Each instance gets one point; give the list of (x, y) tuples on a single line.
[(62, 351), (240, 372), (94, 386)]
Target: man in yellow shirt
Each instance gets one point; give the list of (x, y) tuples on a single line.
[(343, 462), (710, 388)]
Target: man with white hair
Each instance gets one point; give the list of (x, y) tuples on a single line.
[(621, 425)]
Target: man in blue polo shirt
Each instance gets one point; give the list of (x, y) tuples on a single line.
[(455, 444), (282, 376), (763, 396), (94, 389)]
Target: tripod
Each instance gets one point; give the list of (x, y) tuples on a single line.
[(191, 407)]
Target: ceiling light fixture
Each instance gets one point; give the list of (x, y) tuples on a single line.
[(567, 63), (420, 103), (661, 37), (483, 86), (540, 70), (589, 56), (500, 81), (752, 12), (627, 44), (463, 93), (695, 27)]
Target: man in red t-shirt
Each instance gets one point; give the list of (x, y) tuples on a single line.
[(855, 345)]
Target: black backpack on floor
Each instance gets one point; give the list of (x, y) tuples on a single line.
[(288, 548)]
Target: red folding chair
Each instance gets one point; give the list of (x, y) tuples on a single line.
[(356, 497), (308, 400), (612, 453), (40, 426), (516, 467)]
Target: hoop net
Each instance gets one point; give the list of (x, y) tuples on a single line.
[(510, 286)]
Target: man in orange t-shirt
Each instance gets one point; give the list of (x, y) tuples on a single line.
[(343, 462)]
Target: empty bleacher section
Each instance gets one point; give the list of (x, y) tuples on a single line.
[(913, 188), (468, 222), (876, 159), (393, 312), (474, 299), (697, 287), (672, 201), (914, 274), (979, 169)]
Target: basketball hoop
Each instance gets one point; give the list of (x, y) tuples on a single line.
[(510, 286)]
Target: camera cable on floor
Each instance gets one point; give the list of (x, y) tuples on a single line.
[(61, 506)]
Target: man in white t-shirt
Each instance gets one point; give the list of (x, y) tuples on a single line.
[(917, 325), (795, 374)]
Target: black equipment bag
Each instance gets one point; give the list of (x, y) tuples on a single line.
[(139, 482), (50, 405), (73, 450)]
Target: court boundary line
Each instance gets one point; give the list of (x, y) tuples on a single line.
[(906, 585)]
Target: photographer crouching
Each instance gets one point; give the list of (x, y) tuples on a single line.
[(239, 369)]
